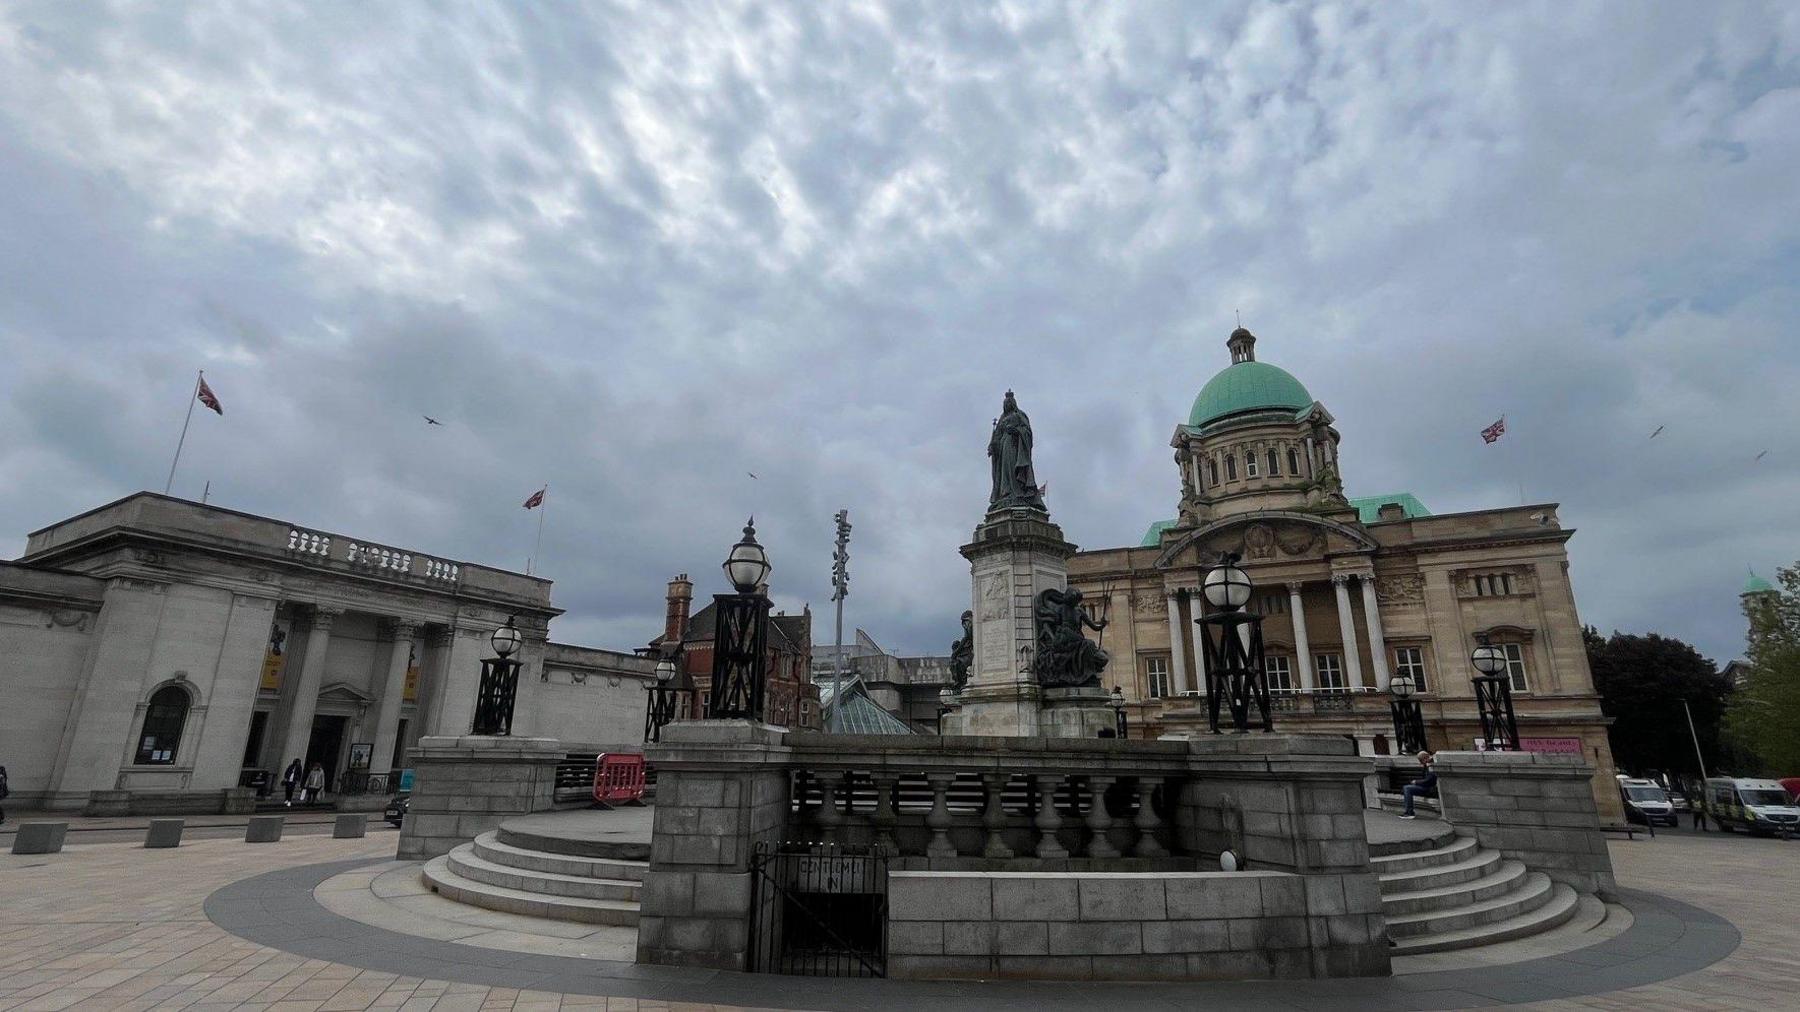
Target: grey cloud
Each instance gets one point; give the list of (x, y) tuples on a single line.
[(637, 252)]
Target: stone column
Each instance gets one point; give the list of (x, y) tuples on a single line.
[(1302, 649), (393, 687), (1347, 628), (1177, 659), (1197, 606), (1377, 642), (298, 732)]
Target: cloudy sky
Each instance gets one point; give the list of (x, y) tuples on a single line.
[(638, 250)]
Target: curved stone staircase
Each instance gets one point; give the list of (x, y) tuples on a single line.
[(518, 871), (1448, 892)]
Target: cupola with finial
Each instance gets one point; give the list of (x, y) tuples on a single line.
[(1243, 346)]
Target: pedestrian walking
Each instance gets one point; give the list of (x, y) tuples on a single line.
[(315, 782), (4, 791), (1699, 807), (290, 781), (1421, 787)]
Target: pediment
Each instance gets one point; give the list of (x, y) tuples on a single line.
[(1265, 536), (344, 692)]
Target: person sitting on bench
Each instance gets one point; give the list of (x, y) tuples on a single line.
[(1422, 787)]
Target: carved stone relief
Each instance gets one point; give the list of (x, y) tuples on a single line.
[(1259, 542), (1149, 603), (1400, 589), (993, 598)]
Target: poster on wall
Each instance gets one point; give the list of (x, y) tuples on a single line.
[(360, 752), (275, 656), (411, 693)]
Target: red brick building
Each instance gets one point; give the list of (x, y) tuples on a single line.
[(790, 698)]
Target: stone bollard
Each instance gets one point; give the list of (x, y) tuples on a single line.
[(350, 826), (264, 829), (39, 837), (164, 833)]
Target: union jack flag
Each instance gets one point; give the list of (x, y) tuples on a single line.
[(536, 500), (207, 397), (1494, 431)]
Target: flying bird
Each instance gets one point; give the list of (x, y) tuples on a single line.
[(1760, 456), (430, 420), (1658, 432), (752, 475)]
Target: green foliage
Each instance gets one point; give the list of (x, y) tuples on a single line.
[(1642, 682), (1765, 716)]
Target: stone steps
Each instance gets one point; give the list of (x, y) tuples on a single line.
[(1562, 904), (489, 847), (1459, 848), (1502, 878), (1447, 892), (446, 881), (1434, 876), (546, 843), (1535, 890), (465, 862)]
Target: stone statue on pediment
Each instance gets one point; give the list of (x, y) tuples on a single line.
[(962, 653), (1065, 657), (1009, 460)]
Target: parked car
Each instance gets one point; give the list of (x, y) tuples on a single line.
[(1647, 802), (1760, 806), (395, 813)]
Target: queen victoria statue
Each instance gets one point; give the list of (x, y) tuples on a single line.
[(1009, 456)]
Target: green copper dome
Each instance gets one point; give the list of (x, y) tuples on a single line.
[(1756, 585), (1248, 386)]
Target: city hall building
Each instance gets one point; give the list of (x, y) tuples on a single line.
[(162, 655), (1350, 590)]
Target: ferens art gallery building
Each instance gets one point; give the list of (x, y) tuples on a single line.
[(1351, 590), (158, 652)]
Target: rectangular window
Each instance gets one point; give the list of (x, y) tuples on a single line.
[(1331, 672), (1156, 674), (1281, 677), (1411, 661), (1515, 665), (1250, 464)]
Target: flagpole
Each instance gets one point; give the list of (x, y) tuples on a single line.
[(184, 427)]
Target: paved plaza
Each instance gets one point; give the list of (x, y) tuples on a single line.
[(220, 924)]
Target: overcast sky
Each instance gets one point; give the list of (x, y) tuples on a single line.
[(639, 250)]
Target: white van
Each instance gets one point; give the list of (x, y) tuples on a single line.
[(1646, 802), (1760, 806)]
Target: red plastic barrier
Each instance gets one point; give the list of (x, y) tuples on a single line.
[(618, 776)]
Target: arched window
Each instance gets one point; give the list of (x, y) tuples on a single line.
[(1274, 465), (161, 737), (1249, 463), (1212, 472), (1293, 462), (1230, 467)]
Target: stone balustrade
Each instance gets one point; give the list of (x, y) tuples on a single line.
[(1079, 808), (309, 543), (968, 802), (374, 557), (1357, 701)]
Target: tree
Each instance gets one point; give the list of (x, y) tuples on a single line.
[(1765, 717), (1642, 682)]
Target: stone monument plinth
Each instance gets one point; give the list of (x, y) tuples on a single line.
[(1016, 552)]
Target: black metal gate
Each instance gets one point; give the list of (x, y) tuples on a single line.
[(820, 910)]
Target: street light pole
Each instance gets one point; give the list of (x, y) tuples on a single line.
[(840, 589), (1696, 736)]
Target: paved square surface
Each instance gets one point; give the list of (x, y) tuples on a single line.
[(115, 926)]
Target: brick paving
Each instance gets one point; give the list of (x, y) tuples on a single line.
[(114, 926)]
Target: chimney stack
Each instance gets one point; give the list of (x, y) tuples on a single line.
[(681, 595)]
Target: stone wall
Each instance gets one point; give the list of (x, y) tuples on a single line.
[(722, 788), (1123, 926), (1533, 807), (465, 786)]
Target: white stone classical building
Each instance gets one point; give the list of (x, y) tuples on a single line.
[(158, 652), (1351, 590)]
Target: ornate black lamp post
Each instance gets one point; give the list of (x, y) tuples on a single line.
[(1409, 722), (499, 683), (1493, 697), (663, 702), (1235, 673), (741, 631), (1118, 705)]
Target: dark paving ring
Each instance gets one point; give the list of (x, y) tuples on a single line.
[(1667, 939)]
